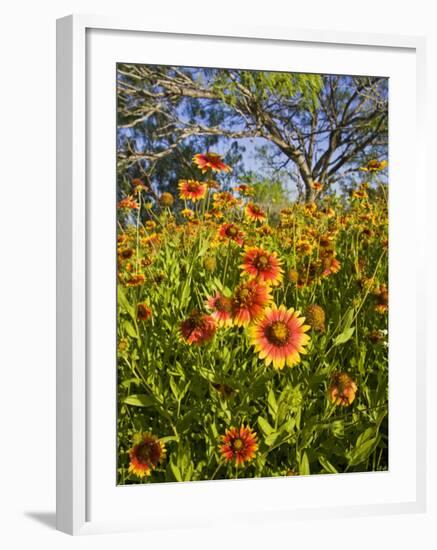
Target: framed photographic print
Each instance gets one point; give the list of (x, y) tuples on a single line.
[(238, 321)]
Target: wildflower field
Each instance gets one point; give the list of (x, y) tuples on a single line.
[(252, 341)]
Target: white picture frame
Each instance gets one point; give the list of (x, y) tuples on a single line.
[(73, 298)]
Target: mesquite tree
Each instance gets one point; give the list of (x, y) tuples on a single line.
[(320, 126)]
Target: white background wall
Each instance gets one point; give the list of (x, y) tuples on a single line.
[(27, 288)]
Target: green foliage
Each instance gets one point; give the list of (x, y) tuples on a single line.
[(263, 86), (189, 395), (270, 192)]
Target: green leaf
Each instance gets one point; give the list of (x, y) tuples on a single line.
[(265, 426), (130, 329), (271, 439), (184, 390), (185, 295), (348, 319), (176, 473), (271, 402), (365, 445), (174, 388), (139, 400), (337, 428), (304, 465), (363, 452), (126, 383), (327, 466), (369, 433), (344, 336), (124, 302)]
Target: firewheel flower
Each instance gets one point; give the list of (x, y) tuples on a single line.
[(187, 213), (279, 336), (128, 203), (225, 200), (330, 265), (198, 328), (239, 445), (138, 186), (248, 302), (342, 389), (136, 280), (315, 317), (381, 296), (143, 312), (374, 165), (166, 200), (192, 190), (231, 232), (245, 190), (262, 265), (255, 212), (316, 185), (211, 161), (146, 454), (221, 309)]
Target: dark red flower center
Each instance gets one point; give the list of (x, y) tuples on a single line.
[(278, 333), (148, 452), (222, 304), (243, 296), (127, 253), (193, 187), (238, 444), (143, 311), (261, 261)]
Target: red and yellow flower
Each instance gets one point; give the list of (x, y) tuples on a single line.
[(128, 203), (221, 309), (359, 194), (262, 265), (304, 246), (192, 190), (138, 186), (210, 161), (239, 445), (143, 312), (310, 207), (316, 185), (279, 336), (374, 165), (212, 184), (136, 280), (187, 213), (150, 225), (225, 200), (255, 212), (231, 232), (248, 302), (146, 454), (381, 295), (198, 328), (265, 230), (245, 190), (125, 253), (342, 389), (330, 265)]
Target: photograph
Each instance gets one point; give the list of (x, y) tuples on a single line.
[(252, 273)]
